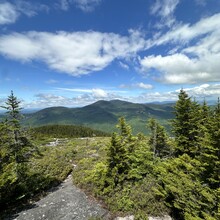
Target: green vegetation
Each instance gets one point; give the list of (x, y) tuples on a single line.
[(16, 150), (67, 131), (28, 166), (130, 172), (158, 175)]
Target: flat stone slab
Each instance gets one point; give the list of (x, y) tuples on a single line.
[(67, 202)]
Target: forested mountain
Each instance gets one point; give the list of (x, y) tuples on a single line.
[(103, 115)]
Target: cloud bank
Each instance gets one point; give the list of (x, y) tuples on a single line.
[(82, 97), (195, 54)]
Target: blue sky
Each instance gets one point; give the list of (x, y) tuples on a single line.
[(75, 52)]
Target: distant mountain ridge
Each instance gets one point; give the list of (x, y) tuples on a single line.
[(103, 115)]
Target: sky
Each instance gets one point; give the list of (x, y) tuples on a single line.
[(75, 52)]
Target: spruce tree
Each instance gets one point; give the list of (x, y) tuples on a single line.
[(158, 139), (21, 145), (16, 149), (195, 120), (121, 147), (185, 125), (212, 152)]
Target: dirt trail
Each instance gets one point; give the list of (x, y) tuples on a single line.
[(66, 202)]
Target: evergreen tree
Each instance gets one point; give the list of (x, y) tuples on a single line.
[(185, 125), (194, 131), (12, 105), (187, 196), (121, 147), (15, 150), (158, 139), (212, 151), (204, 141), (20, 146)]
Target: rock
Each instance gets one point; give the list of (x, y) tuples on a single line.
[(165, 217), (131, 217), (64, 202)]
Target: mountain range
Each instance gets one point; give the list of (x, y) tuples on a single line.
[(104, 115)]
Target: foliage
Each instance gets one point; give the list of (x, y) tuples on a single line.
[(181, 123), (53, 166), (15, 152), (181, 190), (70, 131), (24, 168), (122, 146), (132, 174), (158, 139), (211, 152), (158, 175)]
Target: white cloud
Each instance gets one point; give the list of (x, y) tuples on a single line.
[(89, 96), (75, 90), (99, 93), (140, 85), (95, 91), (8, 13), (144, 86), (183, 33), (87, 5), (30, 9), (73, 53), (48, 100), (165, 9), (85, 97), (208, 91), (178, 68), (124, 65), (204, 91), (189, 62), (156, 97)]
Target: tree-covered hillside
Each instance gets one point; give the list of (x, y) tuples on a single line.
[(103, 115)]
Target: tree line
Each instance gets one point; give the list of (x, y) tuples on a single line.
[(67, 131)]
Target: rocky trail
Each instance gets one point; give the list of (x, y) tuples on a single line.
[(65, 202)]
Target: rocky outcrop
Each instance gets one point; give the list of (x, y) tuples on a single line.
[(65, 202)]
